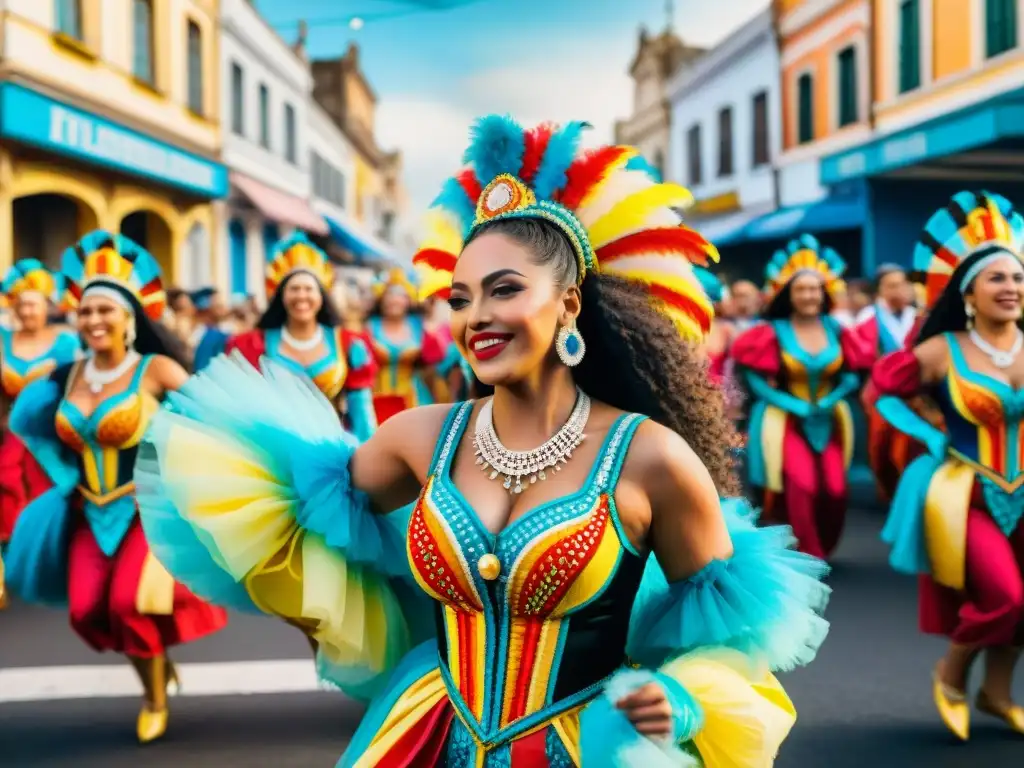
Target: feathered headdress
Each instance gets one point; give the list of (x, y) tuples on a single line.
[(970, 224), (395, 277), (712, 285), (102, 258), (32, 275), (804, 254), (297, 253), (608, 202)]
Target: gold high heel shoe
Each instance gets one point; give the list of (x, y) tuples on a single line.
[(952, 706), (1012, 715), (152, 720)]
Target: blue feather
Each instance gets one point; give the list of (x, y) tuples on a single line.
[(453, 198), (497, 145), (558, 156), (710, 283), (639, 163)]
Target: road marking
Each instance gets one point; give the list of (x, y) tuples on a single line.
[(232, 678)]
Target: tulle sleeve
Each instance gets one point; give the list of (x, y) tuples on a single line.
[(898, 374), (362, 364), (250, 344), (33, 420), (714, 641), (757, 350), (858, 351), (255, 463)]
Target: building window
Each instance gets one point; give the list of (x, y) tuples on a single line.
[(142, 39), (693, 156), (805, 108), (847, 86), (725, 142), (237, 99), (761, 153), (328, 181), (195, 68), (910, 45), (264, 116), (1000, 26), (290, 148), (69, 18)]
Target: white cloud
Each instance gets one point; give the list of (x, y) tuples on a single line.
[(578, 82)]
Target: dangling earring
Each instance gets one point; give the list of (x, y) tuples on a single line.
[(969, 311), (130, 334), (570, 345)]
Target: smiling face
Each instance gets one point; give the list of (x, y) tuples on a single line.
[(807, 294), (30, 308), (103, 323), (395, 303), (506, 309), (302, 297), (997, 293)]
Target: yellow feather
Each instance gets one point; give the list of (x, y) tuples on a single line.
[(610, 172), (675, 283), (634, 209), (442, 233)]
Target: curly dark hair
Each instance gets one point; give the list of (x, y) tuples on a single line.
[(781, 305), (636, 360)]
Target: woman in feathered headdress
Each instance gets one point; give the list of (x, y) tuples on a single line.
[(29, 352), (800, 366), (956, 516), (571, 285), (402, 345), (301, 329), (80, 544)]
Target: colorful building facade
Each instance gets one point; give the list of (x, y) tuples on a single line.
[(109, 118), (949, 115)]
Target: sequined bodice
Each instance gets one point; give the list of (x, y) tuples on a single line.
[(983, 416), (397, 360), (328, 373), (19, 372), (541, 636), (804, 375)]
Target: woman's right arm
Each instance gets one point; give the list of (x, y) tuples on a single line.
[(900, 378)]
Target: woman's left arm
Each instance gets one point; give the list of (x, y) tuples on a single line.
[(165, 375)]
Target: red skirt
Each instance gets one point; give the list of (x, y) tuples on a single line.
[(21, 480), (103, 595)]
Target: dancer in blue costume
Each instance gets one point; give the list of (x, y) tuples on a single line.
[(558, 639)]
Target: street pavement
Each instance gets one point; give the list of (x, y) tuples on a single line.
[(866, 701)]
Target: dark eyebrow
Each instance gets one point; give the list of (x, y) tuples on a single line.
[(490, 279)]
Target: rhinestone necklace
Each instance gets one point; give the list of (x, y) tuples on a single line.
[(513, 466), (97, 379), (303, 345), (1001, 358)]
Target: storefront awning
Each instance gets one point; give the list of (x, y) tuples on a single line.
[(826, 215), (997, 124), (725, 230), (353, 237), (279, 206)]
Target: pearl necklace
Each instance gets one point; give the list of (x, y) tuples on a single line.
[(1000, 358), (495, 458), (97, 379), (303, 345)]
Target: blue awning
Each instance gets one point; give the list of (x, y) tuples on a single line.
[(826, 215), (362, 244), (725, 230)]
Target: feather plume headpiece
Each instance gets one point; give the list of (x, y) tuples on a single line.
[(396, 277), (972, 223), (711, 283), (608, 201), (804, 254), (101, 257), (32, 275), (297, 253)]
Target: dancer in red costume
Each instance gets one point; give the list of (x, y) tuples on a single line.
[(800, 366), (80, 544)]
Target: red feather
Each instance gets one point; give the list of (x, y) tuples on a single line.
[(659, 240), (467, 178), (536, 143), (684, 303), (442, 261), (587, 171)]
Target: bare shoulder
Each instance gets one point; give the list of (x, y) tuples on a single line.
[(658, 454), (414, 433), (933, 355), (165, 373)]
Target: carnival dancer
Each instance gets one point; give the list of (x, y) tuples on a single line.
[(720, 338), (890, 324), (301, 329), (535, 565), (799, 368), (955, 519), (81, 543), (403, 345), (29, 352), (207, 340)]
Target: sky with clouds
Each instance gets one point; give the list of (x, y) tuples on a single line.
[(434, 72)]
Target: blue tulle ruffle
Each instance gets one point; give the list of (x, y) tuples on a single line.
[(36, 558), (32, 420), (765, 601)]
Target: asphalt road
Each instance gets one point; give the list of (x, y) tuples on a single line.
[(865, 702)]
